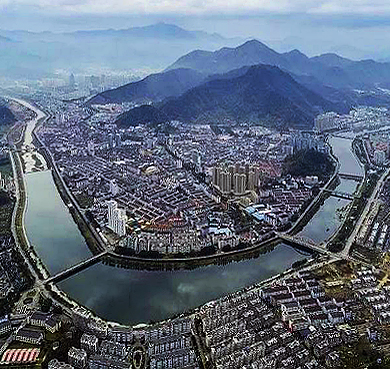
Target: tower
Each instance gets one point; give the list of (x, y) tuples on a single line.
[(114, 188), (111, 140), (118, 141)]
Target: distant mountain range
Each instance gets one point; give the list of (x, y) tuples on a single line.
[(147, 48), (158, 31), (253, 83), (260, 93)]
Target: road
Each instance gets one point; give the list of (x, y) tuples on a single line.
[(345, 252)]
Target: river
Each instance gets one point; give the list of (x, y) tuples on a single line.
[(132, 296), (327, 219)]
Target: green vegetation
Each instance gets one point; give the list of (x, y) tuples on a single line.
[(363, 355), (308, 163), (5, 167), (145, 114), (84, 200), (7, 205), (299, 263)]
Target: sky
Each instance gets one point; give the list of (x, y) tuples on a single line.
[(353, 28), (191, 7)]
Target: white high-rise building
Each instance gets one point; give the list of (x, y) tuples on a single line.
[(116, 218), (114, 188)]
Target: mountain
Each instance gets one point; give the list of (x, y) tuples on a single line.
[(152, 88), (141, 115), (328, 69), (332, 60), (134, 49), (260, 93), (223, 60), (158, 31)]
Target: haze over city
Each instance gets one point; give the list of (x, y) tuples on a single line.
[(353, 29)]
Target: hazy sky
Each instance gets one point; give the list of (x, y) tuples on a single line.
[(363, 7), (354, 28)]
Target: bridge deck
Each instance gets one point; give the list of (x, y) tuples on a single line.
[(75, 268), (302, 243)]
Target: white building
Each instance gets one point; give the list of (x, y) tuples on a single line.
[(116, 218), (114, 188), (77, 358), (311, 180)]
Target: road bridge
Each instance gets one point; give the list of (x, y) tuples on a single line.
[(341, 195), (303, 242), (75, 268), (353, 177)]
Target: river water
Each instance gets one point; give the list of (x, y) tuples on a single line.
[(328, 218), (132, 296)]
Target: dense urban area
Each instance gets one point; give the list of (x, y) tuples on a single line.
[(170, 195)]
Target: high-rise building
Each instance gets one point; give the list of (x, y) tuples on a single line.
[(72, 81), (251, 180), (239, 183), (118, 141), (216, 175), (77, 357), (225, 182), (116, 218), (114, 188), (111, 140)]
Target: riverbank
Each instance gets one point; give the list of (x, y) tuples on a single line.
[(36, 266)]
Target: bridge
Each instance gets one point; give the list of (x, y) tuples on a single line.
[(303, 242), (341, 195), (75, 268), (353, 177)]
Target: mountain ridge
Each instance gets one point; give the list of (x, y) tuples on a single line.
[(154, 87), (261, 93), (329, 69)]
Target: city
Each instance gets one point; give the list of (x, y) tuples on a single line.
[(224, 209)]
